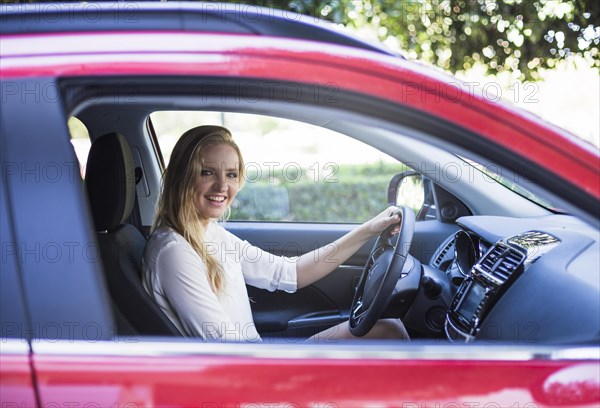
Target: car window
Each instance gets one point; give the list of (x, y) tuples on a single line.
[(493, 173), (80, 139), (295, 172)]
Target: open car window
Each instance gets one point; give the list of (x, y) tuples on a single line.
[(295, 172)]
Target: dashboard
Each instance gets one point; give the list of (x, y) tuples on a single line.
[(522, 280)]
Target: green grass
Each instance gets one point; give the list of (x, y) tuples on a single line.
[(341, 194)]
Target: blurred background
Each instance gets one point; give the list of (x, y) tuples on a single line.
[(542, 55)]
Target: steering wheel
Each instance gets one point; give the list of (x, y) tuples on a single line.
[(381, 274)]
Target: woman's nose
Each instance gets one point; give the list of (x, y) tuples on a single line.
[(220, 184)]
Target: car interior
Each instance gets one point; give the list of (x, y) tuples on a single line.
[(482, 259)]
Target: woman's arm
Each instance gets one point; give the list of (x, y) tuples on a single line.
[(315, 265)]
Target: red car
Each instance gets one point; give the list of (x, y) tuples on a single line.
[(496, 278)]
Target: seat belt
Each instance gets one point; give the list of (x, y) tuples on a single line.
[(135, 218)]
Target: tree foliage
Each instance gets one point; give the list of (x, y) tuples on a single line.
[(520, 36)]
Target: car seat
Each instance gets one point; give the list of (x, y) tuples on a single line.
[(110, 185)]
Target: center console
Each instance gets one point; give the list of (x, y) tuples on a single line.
[(489, 278)]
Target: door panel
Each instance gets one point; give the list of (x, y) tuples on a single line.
[(293, 239), (311, 309), (326, 302)]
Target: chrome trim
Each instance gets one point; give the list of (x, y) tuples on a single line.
[(358, 268), (487, 275), (348, 350), (14, 346), (579, 353), (457, 332)]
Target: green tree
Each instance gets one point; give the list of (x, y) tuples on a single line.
[(521, 36)]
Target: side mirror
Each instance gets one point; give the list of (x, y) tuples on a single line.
[(410, 189)]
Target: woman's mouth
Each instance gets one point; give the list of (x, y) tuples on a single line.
[(217, 199)]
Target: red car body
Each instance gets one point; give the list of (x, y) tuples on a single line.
[(208, 379)]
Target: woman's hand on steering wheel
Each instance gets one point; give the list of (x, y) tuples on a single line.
[(383, 220), (383, 268)]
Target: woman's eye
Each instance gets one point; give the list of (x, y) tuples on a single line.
[(232, 175), (206, 173)]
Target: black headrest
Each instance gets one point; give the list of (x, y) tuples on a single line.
[(110, 181)]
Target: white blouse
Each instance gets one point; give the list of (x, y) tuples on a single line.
[(176, 277)]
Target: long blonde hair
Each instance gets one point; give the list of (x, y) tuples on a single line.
[(176, 208)]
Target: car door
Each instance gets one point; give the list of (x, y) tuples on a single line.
[(116, 370), (77, 359)]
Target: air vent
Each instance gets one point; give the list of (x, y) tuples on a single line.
[(442, 255), (500, 263)]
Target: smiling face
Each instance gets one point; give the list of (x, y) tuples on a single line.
[(219, 181)]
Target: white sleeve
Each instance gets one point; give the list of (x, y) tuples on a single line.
[(265, 270), (184, 280)]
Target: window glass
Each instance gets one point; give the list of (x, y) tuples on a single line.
[(295, 172), (494, 173), (80, 139)]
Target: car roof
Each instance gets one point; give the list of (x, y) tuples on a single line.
[(177, 16)]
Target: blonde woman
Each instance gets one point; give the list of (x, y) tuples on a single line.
[(197, 271)]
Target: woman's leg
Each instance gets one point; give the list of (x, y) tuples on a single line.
[(390, 329)]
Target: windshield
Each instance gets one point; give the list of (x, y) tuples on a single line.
[(511, 185)]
